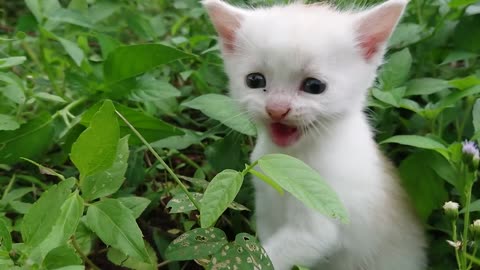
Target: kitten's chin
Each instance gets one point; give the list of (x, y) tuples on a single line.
[(284, 135)]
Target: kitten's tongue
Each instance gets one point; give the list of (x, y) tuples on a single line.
[(283, 135)]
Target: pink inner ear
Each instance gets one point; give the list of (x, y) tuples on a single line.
[(376, 26), (226, 22), (371, 44)]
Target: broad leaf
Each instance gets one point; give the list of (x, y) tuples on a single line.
[(196, 244), (42, 8), (8, 122), (425, 188), (225, 110), (150, 127), (304, 183), (12, 61), (220, 193), (5, 237), (426, 86), (115, 226), (466, 33), (61, 257), (129, 61), (96, 147), (181, 204), (243, 254), (136, 204), (419, 142), (118, 258), (395, 72), (108, 181), (65, 226), (29, 141), (42, 216)]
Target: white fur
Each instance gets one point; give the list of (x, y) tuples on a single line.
[(288, 44)]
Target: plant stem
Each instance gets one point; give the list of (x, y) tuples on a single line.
[(10, 184), (466, 217), (82, 255), (42, 41), (157, 156), (251, 166), (454, 238)]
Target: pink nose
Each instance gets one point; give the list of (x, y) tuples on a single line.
[(277, 113)]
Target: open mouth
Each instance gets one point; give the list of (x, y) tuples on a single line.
[(284, 135)]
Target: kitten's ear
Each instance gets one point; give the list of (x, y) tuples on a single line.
[(375, 26), (226, 19)]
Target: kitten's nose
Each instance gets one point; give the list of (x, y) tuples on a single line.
[(277, 113)]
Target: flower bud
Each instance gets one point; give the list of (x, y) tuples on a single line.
[(471, 155), (475, 229), (451, 209)]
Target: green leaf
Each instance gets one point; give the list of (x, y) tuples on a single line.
[(118, 258), (455, 56), (129, 61), (73, 50), (220, 193), (386, 97), (29, 141), (61, 257), (243, 254), (108, 181), (425, 86), (72, 17), (14, 89), (42, 216), (151, 128), (405, 34), (180, 203), (304, 183), (395, 72), (196, 244), (465, 82), (136, 204), (459, 3), (15, 194), (226, 153), (115, 226), (456, 96), (49, 97), (42, 8), (425, 188), (8, 122), (12, 61), (65, 226), (5, 237), (267, 180), (225, 110), (150, 89), (466, 33), (419, 142), (95, 148)]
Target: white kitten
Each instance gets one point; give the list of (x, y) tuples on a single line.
[(302, 72)]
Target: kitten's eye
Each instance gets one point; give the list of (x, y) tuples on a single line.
[(313, 86), (255, 80)]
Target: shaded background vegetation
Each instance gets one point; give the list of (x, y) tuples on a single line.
[(428, 87)]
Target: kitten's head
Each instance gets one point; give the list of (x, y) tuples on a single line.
[(297, 68)]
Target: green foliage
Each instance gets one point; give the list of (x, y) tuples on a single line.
[(68, 69)]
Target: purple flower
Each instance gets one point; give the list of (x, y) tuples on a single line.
[(470, 149)]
